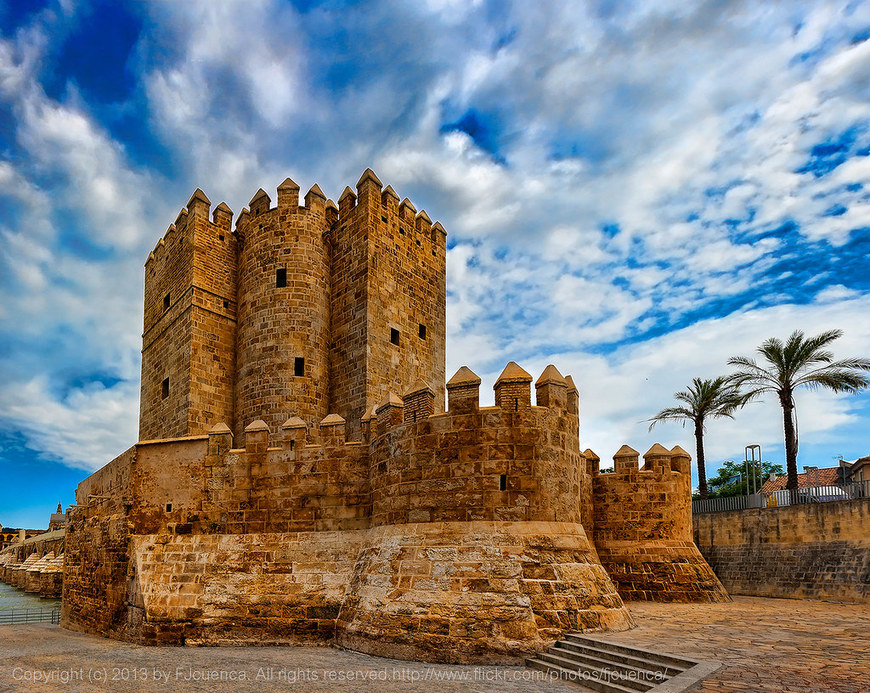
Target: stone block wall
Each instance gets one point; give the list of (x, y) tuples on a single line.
[(642, 529), (813, 551)]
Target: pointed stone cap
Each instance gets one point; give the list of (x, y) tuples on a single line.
[(590, 455), (437, 226), (626, 451), (394, 400), (389, 191), (198, 195), (258, 196), (425, 217), (331, 205), (347, 191), (677, 451), (288, 184), (419, 386), (332, 420), (219, 429), (551, 376), (367, 416), (315, 192), (368, 174), (407, 203), (294, 422), (657, 451), (243, 217), (223, 207), (258, 425), (571, 386), (513, 373), (464, 376)]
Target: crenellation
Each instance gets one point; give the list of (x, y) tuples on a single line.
[(222, 217), (513, 388), (288, 195), (463, 392), (260, 203)]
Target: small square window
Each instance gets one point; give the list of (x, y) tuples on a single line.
[(220, 237), (384, 219), (166, 302), (164, 388), (394, 336), (422, 331), (298, 366), (281, 278)]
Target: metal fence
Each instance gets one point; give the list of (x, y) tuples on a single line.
[(802, 496), (9, 617)]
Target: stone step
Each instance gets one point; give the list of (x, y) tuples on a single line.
[(650, 676), (568, 671), (618, 658), (682, 663), (632, 681)]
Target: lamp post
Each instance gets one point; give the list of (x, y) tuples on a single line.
[(749, 458)]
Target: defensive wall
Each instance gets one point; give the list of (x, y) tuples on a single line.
[(456, 536), (643, 527), (812, 551)]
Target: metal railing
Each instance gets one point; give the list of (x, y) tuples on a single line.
[(777, 499), (9, 617)]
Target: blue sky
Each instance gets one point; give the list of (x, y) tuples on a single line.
[(633, 191)]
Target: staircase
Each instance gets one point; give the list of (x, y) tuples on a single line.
[(599, 665)]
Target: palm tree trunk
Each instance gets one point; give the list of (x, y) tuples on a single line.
[(699, 452), (790, 442)]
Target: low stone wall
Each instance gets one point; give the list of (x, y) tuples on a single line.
[(814, 551)]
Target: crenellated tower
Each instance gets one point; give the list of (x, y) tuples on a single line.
[(188, 342), (303, 310)]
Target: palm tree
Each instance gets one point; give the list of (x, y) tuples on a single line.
[(800, 362), (703, 399)]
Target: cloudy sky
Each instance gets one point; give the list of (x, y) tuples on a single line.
[(632, 191)]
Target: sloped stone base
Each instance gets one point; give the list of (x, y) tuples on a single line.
[(661, 571), (464, 592)]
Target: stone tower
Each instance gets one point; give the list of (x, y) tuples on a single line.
[(188, 343), (301, 311)]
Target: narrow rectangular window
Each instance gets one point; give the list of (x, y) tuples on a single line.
[(502, 482), (422, 331), (298, 366), (166, 302), (281, 277), (169, 507), (394, 336), (164, 388)]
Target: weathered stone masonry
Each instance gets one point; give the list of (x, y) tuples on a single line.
[(276, 501), (812, 551)]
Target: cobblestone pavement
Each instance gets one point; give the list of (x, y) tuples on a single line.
[(783, 645), (764, 644)]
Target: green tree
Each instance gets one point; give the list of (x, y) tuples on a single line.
[(703, 399), (799, 362), (732, 478)]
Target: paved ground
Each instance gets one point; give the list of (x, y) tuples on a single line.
[(765, 645), (778, 645)]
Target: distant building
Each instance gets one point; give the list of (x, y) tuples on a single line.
[(844, 473), (10, 535)]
